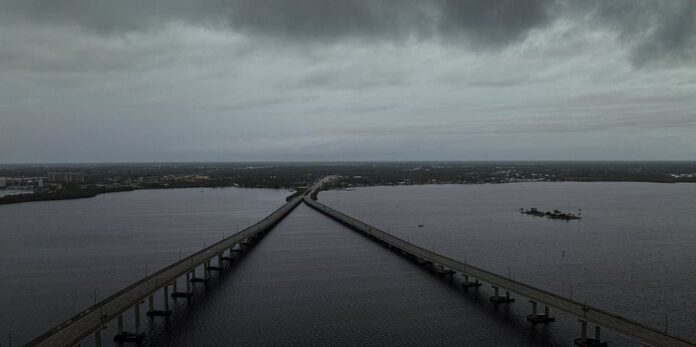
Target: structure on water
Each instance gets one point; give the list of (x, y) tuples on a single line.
[(556, 214)]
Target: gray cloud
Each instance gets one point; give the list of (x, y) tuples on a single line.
[(656, 31), (362, 79), (492, 22)]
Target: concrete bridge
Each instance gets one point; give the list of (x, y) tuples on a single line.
[(474, 276), (93, 319)]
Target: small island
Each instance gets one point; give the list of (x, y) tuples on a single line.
[(556, 214)]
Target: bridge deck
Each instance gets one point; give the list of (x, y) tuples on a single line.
[(72, 331), (624, 326)]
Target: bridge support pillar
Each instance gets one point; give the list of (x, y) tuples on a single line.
[(119, 324), (537, 318), (468, 283), (166, 297), (584, 341), (187, 294), (166, 312), (151, 303), (195, 279), (124, 336), (497, 299), (97, 337), (136, 312)]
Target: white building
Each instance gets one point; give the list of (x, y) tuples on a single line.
[(3, 182)]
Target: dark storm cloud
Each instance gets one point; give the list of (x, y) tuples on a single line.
[(493, 21), (483, 22), (95, 80), (654, 30)]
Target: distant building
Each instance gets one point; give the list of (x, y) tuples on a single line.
[(66, 177), (3, 182)]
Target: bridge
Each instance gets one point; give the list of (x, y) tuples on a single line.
[(585, 313), (93, 319)]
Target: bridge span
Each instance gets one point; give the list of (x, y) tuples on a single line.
[(93, 319), (448, 266)]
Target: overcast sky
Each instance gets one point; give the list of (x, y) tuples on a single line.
[(228, 80)]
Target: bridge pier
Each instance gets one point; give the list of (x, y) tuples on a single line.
[(467, 284), (210, 267), (584, 341), (497, 299), (123, 336), (136, 312), (97, 338), (537, 318), (424, 262), (444, 272), (195, 279), (238, 250), (187, 294), (228, 258), (166, 297), (163, 313)]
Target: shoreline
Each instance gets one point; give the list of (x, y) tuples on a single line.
[(90, 193), (33, 197)]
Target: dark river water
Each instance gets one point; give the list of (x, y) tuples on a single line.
[(55, 254), (633, 252), (313, 282)]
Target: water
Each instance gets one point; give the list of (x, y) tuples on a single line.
[(314, 282), (54, 255), (633, 253)]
